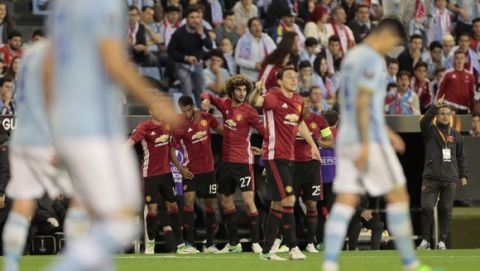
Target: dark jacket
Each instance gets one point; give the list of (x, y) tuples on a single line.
[(435, 168), (405, 61), (184, 43), (140, 37), (359, 31)]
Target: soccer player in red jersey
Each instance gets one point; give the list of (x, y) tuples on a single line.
[(283, 119), (195, 139), (158, 148), (239, 119), (307, 183)]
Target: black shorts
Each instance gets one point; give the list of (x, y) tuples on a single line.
[(279, 178), (307, 182), (204, 184), (235, 174), (155, 186)]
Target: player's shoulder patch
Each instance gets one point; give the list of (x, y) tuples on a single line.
[(369, 72)]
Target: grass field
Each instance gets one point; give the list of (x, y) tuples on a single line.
[(451, 260)]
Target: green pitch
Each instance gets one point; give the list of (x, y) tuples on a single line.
[(451, 260)]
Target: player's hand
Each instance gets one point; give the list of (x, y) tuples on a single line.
[(53, 221), (2, 201), (162, 107), (440, 102), (256, 151), (464, 181), (260, 84), (315, 153), (362, 159), (397, 143), (205, 105), (191, 60), (186, 174), (367, 214), (464, 14)]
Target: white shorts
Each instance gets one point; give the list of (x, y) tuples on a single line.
[(105, 173), (33, 174), (383, 174)]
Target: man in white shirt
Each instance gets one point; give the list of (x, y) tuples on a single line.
[(338, 28), (252, 48)]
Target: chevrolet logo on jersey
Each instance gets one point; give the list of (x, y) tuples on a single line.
[(291, 119), (231, 124), (162, 139), (199, 136)]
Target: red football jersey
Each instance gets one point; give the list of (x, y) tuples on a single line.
[(195, 138), (282, 115), (156, 142), (238, 123), (316, 124)]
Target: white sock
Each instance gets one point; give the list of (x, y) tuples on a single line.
[(76, 224), (336, 229), (400, 225), (14, 237)]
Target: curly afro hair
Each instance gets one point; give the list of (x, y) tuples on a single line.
[(236, 81)]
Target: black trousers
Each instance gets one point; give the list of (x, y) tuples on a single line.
[(356, 224), (445, 192)]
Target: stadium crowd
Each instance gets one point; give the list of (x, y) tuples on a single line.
[(201, 46)]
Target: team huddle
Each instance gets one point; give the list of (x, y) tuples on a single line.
[(85, 63)]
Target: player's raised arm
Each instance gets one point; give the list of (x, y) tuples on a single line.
[(256, 99), (303, 130)]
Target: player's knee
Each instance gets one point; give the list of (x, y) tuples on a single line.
[(122, 230), (311, 205), (25, 208), (288, 201), (171, 206), (398, 195), (210, 203), (276, 205)]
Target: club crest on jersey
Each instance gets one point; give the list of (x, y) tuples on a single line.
[(239, 117), (204, 123), (148, 198), (313, 125)]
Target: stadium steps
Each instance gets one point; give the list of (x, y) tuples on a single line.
[(25, 21)]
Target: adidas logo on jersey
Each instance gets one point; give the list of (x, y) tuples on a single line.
[(153, 133), (189, 130), (284, 105)]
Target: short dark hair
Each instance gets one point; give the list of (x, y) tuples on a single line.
[(311, 41), (193, 8), (434, 45), (403, 73), (475, 114), (465, 34), (185, 100), (4, 80), (14, 34), (391, 60), (415, 37), (333, 38), (282, 71), (360, 6), (38, 32), (133, 7), (304, 64), (331, 116), (228, 13), (421, 64), (476, 20), (147, 7), (310, 90), (439, 70), (392, 25), (392, 85), (251, 20), (459, 52)]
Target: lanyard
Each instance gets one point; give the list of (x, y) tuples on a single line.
[(443, 136)]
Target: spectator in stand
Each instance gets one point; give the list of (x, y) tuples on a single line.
[(324, 79), (306, 10), (412, 55), (440, 23), (422, 87), (392, 70), (6, 94), (169, 25), (252, 49), (305, 77), (277, 60), (361, 24), (244, 11), (414, 15), (137, 42), (153, 34), (319, 103), (227, 48), (287, 24), (339, 29), (13, 72), (3, 68), (475, 39), (445, 166), (448, 43), (12, 49), (187, 49), (206, 11), (333, 54), (434, 58), (277, 9), (50, 215), (227, 29), (365, 217), (6, 23), (351, 7), (309, 53), (215, 74), (405, 101), (475, 131), (467, 10), (471, 58), (206, 24), (173, 3), (458, 86), (317, 26), (439, 73)]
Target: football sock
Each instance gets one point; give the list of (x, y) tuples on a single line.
[(399, 224), (336, 229), (189, 224), (231, 219), (170, 241), (254, 227), (210, 224), (14, 237), (312, 222), (176, 226), (288, 223), (274, 218), (76, 224)]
